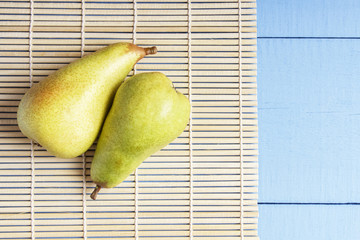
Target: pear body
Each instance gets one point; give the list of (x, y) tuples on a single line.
[(146, 115), (64, 112)]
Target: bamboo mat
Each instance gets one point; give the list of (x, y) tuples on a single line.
[(201, 186)]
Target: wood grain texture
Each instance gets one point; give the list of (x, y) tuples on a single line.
[(310, 222), (309, 18), (308, 117)]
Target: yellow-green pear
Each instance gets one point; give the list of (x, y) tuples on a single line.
[(64, 112), (146, 115)]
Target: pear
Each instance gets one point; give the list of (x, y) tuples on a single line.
[(64, 112), (146, 115)]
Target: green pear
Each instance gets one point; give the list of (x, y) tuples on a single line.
[(146, 115), (64, 112)]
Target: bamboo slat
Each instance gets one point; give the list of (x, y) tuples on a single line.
[(201, 186)]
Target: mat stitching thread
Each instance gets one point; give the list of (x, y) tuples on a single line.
[(32, 157), (84, 197), (190, 126), (241, 132), (84, 154), (136, 187), (82, 27)]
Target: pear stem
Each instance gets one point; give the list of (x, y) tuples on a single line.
[(150, 50), (95, 192)]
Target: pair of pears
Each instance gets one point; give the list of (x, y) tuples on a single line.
[(135, 118)]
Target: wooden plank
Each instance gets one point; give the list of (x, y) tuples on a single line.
[(299, 222), (308, 18), (309, 120)]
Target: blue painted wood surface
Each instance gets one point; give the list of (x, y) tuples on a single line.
[(309, 222), (308, 18), (309, 119)]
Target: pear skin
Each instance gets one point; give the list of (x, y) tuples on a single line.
[(146, 115), (64, 112)]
